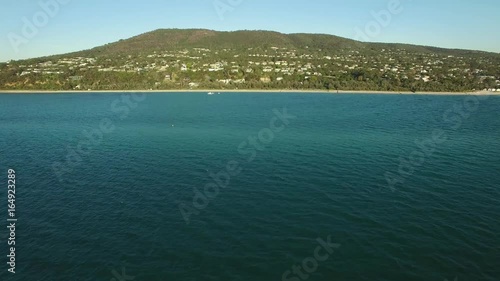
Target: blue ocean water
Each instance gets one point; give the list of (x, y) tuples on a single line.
[(247, 186)]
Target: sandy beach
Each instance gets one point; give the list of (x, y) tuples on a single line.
[(248, 91)]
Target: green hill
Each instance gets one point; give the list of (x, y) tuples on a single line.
[(202, 38), (199, 58)]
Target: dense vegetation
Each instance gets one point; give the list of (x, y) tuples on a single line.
[(205, 59)]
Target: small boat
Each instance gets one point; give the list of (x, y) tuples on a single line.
[(211, 93)]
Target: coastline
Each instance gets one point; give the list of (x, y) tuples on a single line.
[(363, 92)]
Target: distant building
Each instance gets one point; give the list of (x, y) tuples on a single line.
[(75, 78), (224, 81), (46, 64), (265, 80)]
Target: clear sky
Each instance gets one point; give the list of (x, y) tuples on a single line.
[(83, 24)]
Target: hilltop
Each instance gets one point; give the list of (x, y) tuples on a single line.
[(199, 58)]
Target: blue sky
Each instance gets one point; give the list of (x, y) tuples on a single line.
[(83, 24)]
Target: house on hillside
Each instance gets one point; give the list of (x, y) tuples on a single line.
[(224, 81), (75, 78), (265, 79), (267, 69)]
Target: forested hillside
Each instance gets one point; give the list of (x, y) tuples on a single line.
[(206, 59)]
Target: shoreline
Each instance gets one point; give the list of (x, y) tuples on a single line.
[(364, 92)]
